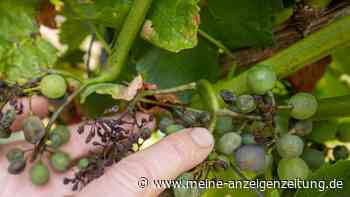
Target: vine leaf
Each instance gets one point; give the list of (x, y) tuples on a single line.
[(173, 24), (24, 54), (339, 171), (117, 91), (240, 23)]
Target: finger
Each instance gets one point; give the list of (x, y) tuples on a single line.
[(40, 107), (167, 159)]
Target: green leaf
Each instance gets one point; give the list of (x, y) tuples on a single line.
[(168, 69), (28, 59), (240, 23), (341, 60), (172, 24), (68, 33), (110, 13), (339, 171)]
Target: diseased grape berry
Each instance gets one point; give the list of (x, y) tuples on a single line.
[(15, 154), (6, 121), (223, 125), (164, 122), (55, 140), (33, 129), (248, 138), (83, 163), (290, 146), (313, 158), (60, 161), (291, 169), (227, 96), (229, 142), (343, 132), (16, 166), (59, 136), (340, 153), (261, 79), (53, 86), (251, 158), (173, 128), (303, 127), (304, 105), (246, 103), (39, 174)]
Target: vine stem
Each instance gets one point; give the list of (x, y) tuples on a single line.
[(227, 112), (144, 100), (189, 86), (216, 43), (126, 38)]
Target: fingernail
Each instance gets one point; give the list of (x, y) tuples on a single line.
[(202, 137)]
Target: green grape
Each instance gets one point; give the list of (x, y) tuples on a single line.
[(290, 146), (303, 127), (16, 166), (64, 133), (83, 163), (340, 153), (229, 142), (164, 122), (173, 128), (15, 154), (246, 103), (248, 138), (224, 124), (304, 106), (343, 132), (291, 169), (53, 86), (39, 174), (55, 140), (313, 158), (60, 161), (33, 129), (261, 79)]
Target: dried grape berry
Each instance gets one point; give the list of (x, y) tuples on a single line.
[(33, 129), (53, 86)]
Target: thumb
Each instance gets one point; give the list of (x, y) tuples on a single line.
[(164, 160)]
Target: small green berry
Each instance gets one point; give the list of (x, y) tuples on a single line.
[(304, 106), (303, 127), (229, 142), (33, 129), (246, 103), (248, 138), (83, 163), (291, 169), (290, 146), (224, 124), (39, 174), (314, 158), (173, 128), (261, 79), (60, 161), (55, 140), (15, 154), (53, 86)]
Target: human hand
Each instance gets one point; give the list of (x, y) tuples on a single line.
[(166, 159)]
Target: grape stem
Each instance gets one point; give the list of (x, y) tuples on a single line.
[(144, 100), (227, 112), (216, 43), (189, 86)]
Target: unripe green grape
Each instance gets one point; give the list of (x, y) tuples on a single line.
[(164, 122), (53, 86), (313, 158), (60, 161), (304, 106), (290, 146), (15, 154), (261, 79), (16, 166), (248, 138), (83, 163), (33, 129), (340, 153), (224, 124), (343, 133), (39, 174), (251, 158), (291, 169), (246, 103), (303, 127), (64, 132), (55, 140), (229, 142), (173, 128)]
